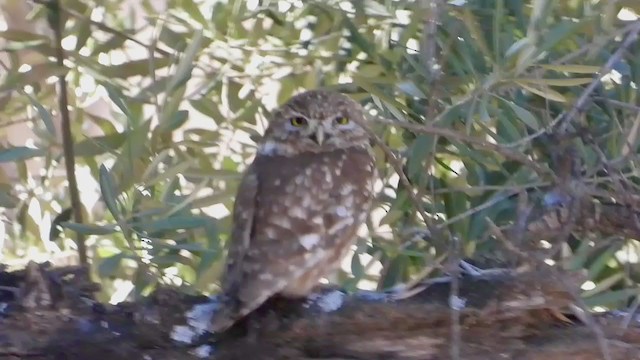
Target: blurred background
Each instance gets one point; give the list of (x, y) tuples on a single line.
[(168, 98)]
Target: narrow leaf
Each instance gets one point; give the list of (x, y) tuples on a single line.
[(110, 265), (572, 68), (19, 153), (118, 98), (87, 229), (187, 62), (545, 92), (44, 114), (527, 117), (108, 190), (98, 145), (556, 82)]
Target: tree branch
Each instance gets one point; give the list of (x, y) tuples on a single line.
[(67, 137)]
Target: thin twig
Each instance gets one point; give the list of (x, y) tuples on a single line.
[(67, 137)]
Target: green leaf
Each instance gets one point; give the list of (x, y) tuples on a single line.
[(7, 199), (83, 30), (114, 42), (22, 36), (173, 223), (87, 229), (109, 191), (523, 115), (572, 68), (410, 88), (139, 67), (108, 266), (357, 269), (476, 32), (557, 82), (209, 108), (605, 284), (544, 91), (374, 8), (192, 9), (118, 98), (600, 263), (99, 145), (19, 153), (172, 118), (187, 62), (44, 114), (613, 299), (562, 31), (579, 257), (420, 149), (357, 39)]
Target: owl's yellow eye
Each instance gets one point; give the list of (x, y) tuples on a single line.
[(342, 120), (298, 121)]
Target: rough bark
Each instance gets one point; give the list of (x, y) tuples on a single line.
[(508, 314)]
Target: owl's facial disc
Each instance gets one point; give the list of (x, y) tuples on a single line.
[(315, 121)]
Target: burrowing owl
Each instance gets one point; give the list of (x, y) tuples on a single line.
[(299, 203)]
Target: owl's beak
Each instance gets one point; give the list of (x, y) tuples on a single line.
[(318, 136)]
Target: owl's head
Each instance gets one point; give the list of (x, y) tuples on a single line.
[(315, 121)]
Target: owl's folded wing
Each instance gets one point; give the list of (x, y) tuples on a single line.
[(243, 223)]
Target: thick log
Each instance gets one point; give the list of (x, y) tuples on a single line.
[(507, 314)]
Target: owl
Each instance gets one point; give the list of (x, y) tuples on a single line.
[(299, 204)]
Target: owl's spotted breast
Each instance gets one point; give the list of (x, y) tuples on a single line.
[(321, 189), (327, 198)]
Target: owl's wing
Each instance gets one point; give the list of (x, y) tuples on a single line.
[(257, 266), (244, 210), (243, 223)]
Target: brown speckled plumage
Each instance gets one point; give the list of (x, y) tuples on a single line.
[(299, 204)]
